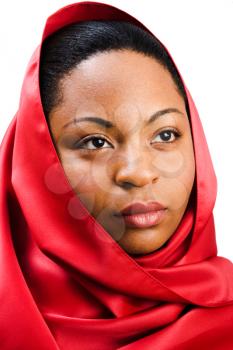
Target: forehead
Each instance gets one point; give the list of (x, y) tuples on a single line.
[(119, 81)]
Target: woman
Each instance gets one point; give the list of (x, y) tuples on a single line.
[(107, 196)]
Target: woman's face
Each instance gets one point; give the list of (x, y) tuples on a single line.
[(121, 158)]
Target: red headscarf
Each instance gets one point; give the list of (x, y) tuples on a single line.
[(65, 283)]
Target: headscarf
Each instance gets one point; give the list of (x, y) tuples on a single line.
[(65, 282)]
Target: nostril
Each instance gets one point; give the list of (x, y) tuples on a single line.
[(128, 185)]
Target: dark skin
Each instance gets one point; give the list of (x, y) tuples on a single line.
[(131, 161)]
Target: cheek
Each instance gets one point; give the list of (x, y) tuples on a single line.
[(78, 173), (85, 179), (169, 164), (177, 177)]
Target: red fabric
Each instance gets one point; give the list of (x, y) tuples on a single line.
[(65, 283)]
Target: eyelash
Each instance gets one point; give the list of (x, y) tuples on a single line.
[(77, 146)]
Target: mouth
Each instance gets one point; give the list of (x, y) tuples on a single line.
[(144, 220)]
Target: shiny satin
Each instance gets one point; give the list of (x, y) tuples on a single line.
[(65, 283)]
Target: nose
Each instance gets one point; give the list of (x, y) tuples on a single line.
[(135, 171)]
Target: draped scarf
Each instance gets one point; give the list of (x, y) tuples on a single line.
[(65, 283)]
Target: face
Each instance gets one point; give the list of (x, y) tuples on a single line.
[(123, 136)]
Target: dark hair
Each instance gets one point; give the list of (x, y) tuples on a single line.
[(63, 50)]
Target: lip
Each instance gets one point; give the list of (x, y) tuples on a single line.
[(143, 215), (139, 207), (144, 220)]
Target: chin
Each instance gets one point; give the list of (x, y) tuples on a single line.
[(143, 242)]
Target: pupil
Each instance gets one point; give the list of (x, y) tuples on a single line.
[(166, 133), (97, 142)]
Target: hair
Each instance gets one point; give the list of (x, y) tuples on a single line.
[(62, 51)]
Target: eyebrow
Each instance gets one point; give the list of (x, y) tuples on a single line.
[(107, 124)]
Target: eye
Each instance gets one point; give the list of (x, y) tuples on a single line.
[(165, 136), (95, 142)]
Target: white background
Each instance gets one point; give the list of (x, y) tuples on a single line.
[(199, 36)]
